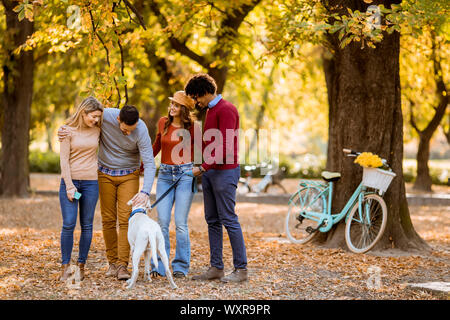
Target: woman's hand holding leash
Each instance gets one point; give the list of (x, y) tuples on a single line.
[(196, 171)]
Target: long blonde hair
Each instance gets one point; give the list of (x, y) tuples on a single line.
[(88, 105)]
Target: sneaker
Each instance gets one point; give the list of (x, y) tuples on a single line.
[(155, 274), (211, 274), (179, 274), (238, 275), (122, 273), (112, 270)]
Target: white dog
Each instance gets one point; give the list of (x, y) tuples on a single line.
[(144, 234)]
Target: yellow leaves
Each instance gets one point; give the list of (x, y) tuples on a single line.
[(369, 160), (24, 10), (58, 37), (215, 64)]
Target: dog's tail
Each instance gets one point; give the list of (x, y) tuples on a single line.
[(152, 238)]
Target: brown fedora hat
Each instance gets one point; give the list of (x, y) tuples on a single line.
[(181, 98)]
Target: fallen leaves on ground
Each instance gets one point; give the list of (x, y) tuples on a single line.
[(30, 260)]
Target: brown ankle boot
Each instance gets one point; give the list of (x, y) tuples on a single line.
[(122, 273), (81, 266), (65, 272), (211, 274), (238, 275)]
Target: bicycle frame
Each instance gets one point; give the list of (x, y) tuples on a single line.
[(326, 214)]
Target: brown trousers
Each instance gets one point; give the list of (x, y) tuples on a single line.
[(115, 192)]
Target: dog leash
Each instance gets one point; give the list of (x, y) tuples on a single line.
[(193, 187), (166, 192), (173, 185)]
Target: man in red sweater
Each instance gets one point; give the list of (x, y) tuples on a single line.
[(220, 174)]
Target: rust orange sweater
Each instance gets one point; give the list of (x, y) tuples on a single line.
[(171, 144)]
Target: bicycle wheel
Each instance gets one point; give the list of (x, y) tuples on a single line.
[(242, 188), (275, 188), (364, 229), (305, 200)]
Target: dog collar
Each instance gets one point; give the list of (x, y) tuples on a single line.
[(137, 211)]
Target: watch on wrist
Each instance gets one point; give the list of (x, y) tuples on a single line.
[(201, 169)]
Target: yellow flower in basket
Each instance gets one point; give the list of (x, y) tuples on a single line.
[(369, 160)]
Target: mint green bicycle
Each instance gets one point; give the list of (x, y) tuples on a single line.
[(365, 212)]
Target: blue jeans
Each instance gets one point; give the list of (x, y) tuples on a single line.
[(69, 209), (182, 196), (219, 197)]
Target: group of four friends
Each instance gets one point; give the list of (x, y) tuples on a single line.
[(112, 174)]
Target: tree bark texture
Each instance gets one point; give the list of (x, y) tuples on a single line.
[(365, 115), (17, 97)]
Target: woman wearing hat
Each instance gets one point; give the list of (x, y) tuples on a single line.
[(175, 140)]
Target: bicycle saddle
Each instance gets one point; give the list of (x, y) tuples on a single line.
[(331, 176)]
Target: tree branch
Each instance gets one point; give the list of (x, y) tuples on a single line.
[(441, 90), (447, 133), (162, 69), (122, 61), (175, 43), (94, 29), (412, 119), (136, 12), (230, 26)]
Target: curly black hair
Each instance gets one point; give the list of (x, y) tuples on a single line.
[(200, 84)]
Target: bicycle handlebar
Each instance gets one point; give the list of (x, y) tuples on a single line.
[(347, 150), (352, 153)]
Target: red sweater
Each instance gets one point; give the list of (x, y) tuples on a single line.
[(221, 137)]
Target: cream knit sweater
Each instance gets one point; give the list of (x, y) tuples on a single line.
[(78, 155)]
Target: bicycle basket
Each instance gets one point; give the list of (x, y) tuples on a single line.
[(377, 178)]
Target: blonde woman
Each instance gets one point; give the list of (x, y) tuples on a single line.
[(79, 180)]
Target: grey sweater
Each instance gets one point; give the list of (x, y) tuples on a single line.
[(118, 151)]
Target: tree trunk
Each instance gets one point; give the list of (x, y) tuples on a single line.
[(423, 179), (365, 115), (220, 76), (18, 90), (151, 116), (447, 133), (169, 85)]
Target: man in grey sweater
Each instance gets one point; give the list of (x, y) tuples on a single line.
[(124, 140)]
